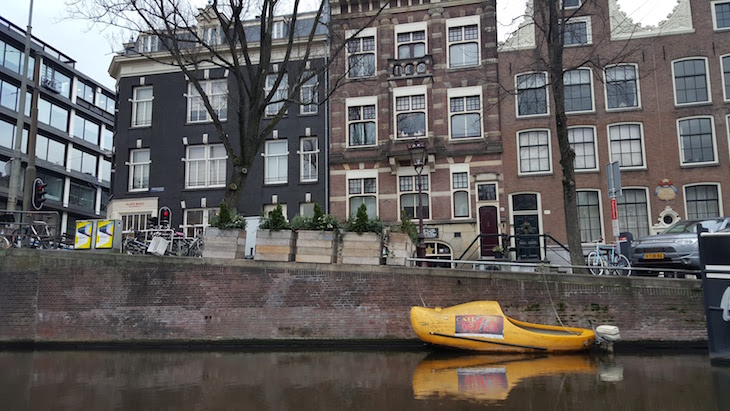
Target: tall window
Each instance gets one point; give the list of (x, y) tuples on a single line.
[(308, 159), (53, 115), (212, 36), (139, 170), (466, 117), (532, 94), (721, 12), (105, 170), (361, 125), (148, 43), (50, 150), (622, 89), (278, 30), (626, 144), (464, 45), (83, 162), (696, 140), (85, 91), (279, 96), (195, 220), (107, 139), (308, 96), (275, 162), (361, 55), (583, 142), (633, 212), (408, 188), (534, 151), (217, 92), (362, 191), (577, 31), (205, 166), (7, 136), (105, 102), (410, 116), (142, 106), (86, 129), (726, 76), (690, 81), (81, 196), (460, 194), (578, 90), (589, 216), (55, 81), (703, 201), (411, 44)]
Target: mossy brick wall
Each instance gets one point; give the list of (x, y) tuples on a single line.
[(62, 296)]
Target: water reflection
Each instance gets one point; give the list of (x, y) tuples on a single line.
[(303, 381)]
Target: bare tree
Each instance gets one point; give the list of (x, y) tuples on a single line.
[(246, 38)]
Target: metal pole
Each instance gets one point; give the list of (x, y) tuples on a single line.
[(30, 170), (14, 187), (421, 248)]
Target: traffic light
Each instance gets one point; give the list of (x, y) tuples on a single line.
[(39, 193), (165, 216)]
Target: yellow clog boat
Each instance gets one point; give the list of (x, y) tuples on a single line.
[(482, 326)]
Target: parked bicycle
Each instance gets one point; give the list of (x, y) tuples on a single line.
[(607, 259)]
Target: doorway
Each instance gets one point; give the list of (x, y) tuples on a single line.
[(488, 230)]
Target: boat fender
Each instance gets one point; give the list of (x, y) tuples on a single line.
[(609, 333), (725, 304)]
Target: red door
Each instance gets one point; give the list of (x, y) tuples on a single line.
[(489, 229)]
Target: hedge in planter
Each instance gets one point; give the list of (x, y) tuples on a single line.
[(362, 242), (401, 241), (274, 238), (316, 237), (226, 236)]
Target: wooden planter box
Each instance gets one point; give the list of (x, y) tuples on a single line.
[(316, 247), (365, 248), (275, 245), (229, 243), (400, 247)]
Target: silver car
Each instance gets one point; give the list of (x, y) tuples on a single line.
[(676, 247)]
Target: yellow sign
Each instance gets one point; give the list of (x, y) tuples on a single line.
[(83, 235), (104, 233)]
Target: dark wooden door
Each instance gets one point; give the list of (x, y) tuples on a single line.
[(489, 229), (527, 236)]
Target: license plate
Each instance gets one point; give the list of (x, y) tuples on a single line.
[(653, 256)]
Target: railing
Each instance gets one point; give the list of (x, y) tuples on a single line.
[(524, 246), (30, 229)]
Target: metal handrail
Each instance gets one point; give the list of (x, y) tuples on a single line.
[(507, 239)]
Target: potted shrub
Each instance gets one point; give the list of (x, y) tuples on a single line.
[(316, 237), (226, 235), (498, 251), (362, 241), (401, 241), (274, 238)]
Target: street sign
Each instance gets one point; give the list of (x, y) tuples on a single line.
[(613, 173), (614, 217)]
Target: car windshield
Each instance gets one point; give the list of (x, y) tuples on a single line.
[(691, 226)]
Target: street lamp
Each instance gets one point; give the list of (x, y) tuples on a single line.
[(418, 159)]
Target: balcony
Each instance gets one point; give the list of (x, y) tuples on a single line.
[(410, 68)]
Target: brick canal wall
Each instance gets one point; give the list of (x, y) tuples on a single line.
[(73, 297)]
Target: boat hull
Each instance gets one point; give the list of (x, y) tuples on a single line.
[(482, 326)]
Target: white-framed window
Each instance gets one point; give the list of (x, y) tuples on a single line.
[(362, 188), (410, 112), (142, 106), (578, 87), (86, 129), (622, 87), (697, 140), (633, 211), (410, 40), (276, 155), (134, 222), (361, 52), (721, 14), (725, 63), (578, 32), (691, 81), (571, 4), (532, 94), (279, 97), (139, 170), (268, 208), (195, 220), (362, 121), (212, 36), (626, 144), (308, 96), (205, 166), (463, 41), (408, 194), (306, 209), (589, 215), (83, 162), (583, 142), (702, 201), (534, 152), (278, 30), (308, 159), (460, 198), (217, 92), (148, 43), (465, 112), (487, 192)]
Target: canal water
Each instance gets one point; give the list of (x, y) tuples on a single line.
[(358, 380)]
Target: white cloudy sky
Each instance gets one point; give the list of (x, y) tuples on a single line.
[(93, 51)]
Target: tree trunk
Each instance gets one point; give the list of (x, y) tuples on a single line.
[(235, 188)]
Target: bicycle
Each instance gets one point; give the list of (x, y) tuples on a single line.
[(605, 258), (35, 235)]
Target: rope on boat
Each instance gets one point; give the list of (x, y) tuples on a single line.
[(552, 304)]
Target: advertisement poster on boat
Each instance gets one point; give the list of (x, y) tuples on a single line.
[(489, 326)]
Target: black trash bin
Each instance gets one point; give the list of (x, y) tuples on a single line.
[(624, 240)]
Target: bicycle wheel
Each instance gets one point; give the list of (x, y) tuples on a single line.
[(4, 243), (595, 263), (620, 265)]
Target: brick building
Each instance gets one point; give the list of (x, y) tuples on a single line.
[(427, 72), (655, 99)]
